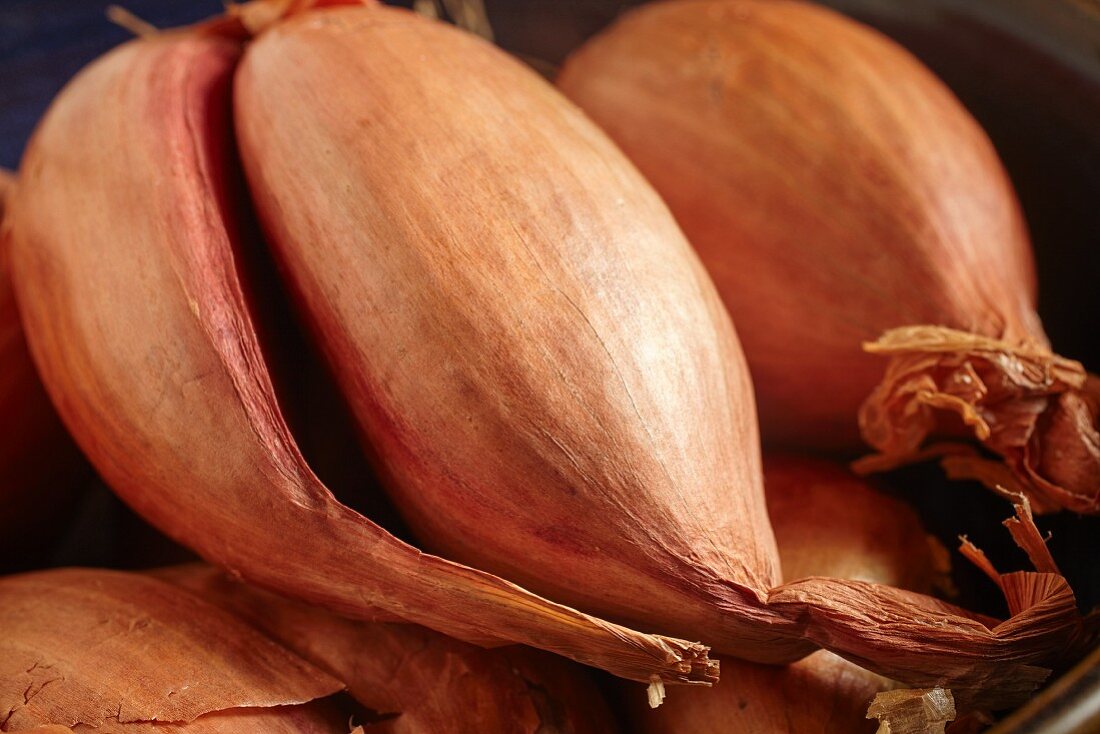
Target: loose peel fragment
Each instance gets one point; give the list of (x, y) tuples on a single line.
[(655, 692), (1021, 590), (1034, 409), (984, 661), (913, 711)]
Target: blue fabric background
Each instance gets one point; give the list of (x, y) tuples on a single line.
[(44, 42)]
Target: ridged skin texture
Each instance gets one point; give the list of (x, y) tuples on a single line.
[(833, 187)]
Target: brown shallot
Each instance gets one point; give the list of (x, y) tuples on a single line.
[(830, 522), (107, 651), (841, 196)]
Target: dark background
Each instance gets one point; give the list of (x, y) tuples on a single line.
[(1029, 70)]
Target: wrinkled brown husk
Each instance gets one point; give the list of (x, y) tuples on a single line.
[(426, 681), (120, 652), (129, 269), (40, 467), (1034, 409), (1041, 598)]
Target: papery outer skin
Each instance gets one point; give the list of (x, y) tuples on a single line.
[(833, 196), (519, 326), (40, 467), (567, 410), (833, 187), (922, 711), (125, 260), (429, 681), (114, 650), (827, 522), (1034, 409)]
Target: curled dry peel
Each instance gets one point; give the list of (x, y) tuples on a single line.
[(519, 326), (115, 652), (1031, 407), (415, 679), (836, 189), (827, 523)]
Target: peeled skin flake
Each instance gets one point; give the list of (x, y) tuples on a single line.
[(1034, 409), (128, 262), (543, 372), (108, 651), (841, 198)]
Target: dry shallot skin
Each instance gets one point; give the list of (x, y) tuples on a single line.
[(128, 268), (1035, 410), (114, 652), (519, 326), (40, 467), (836, 189), (827, 522), (428, 681)]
